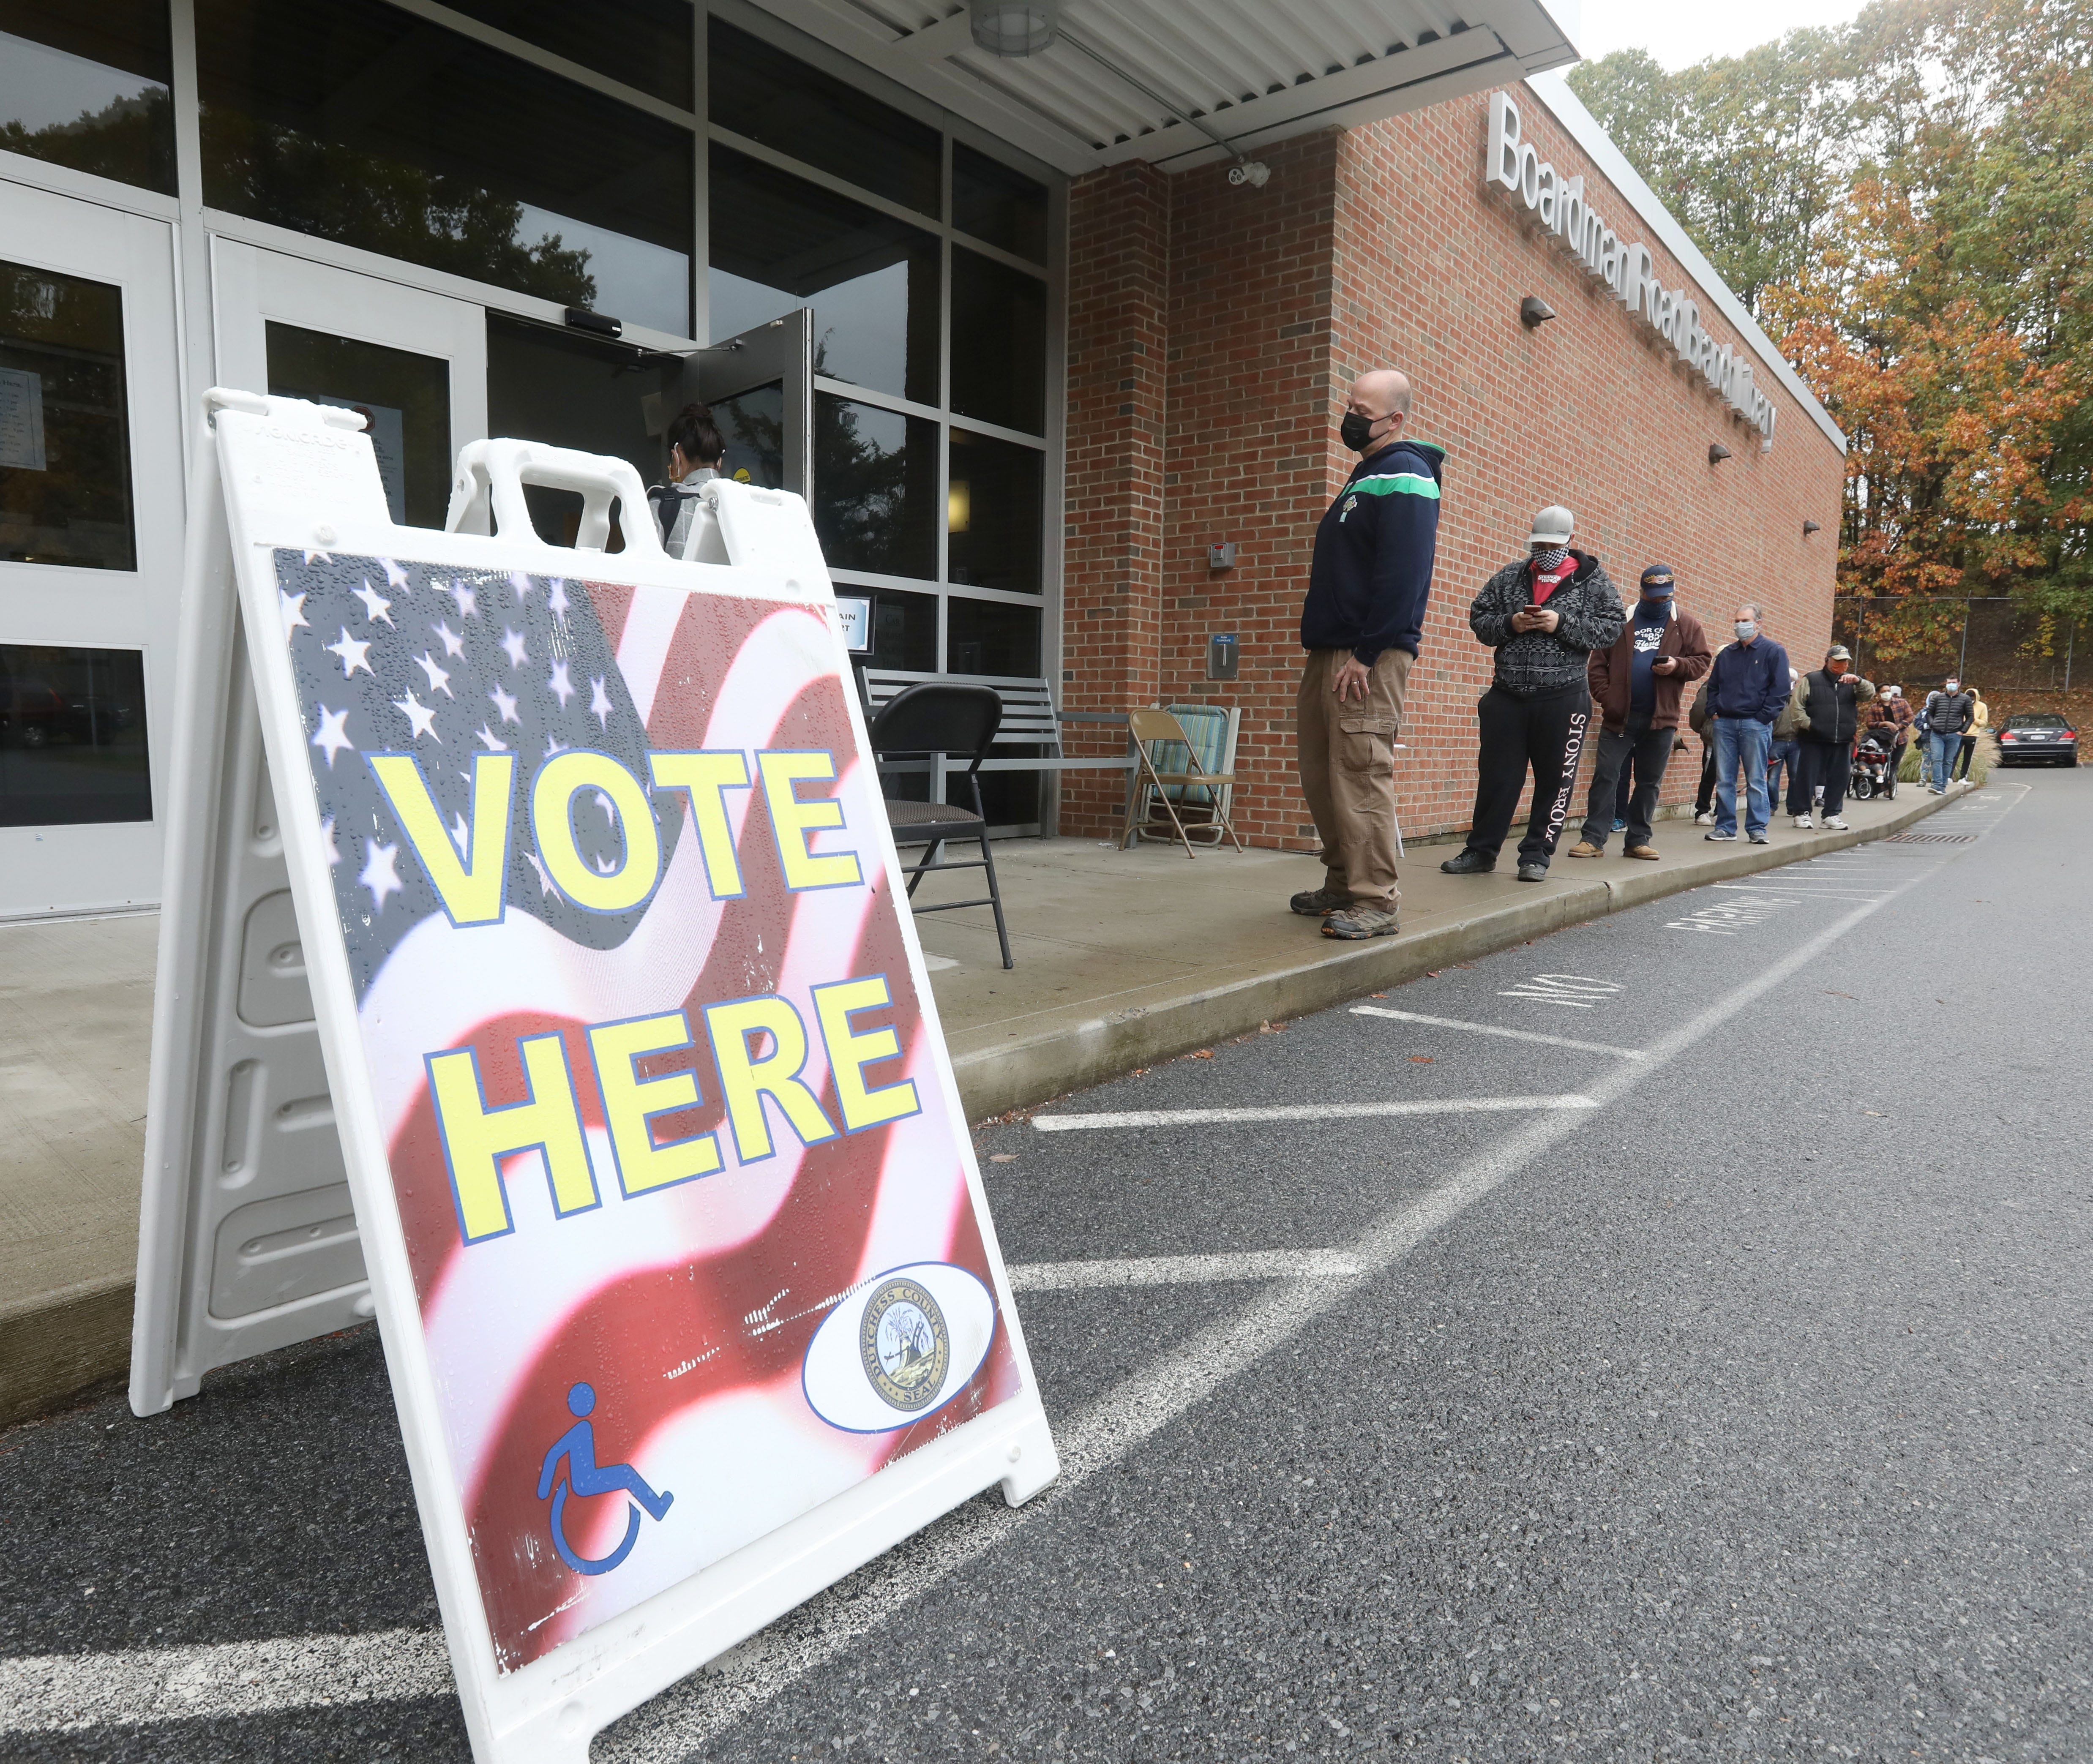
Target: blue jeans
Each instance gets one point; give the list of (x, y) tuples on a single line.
[(1781, 755), (1741, 742), (1941, 748)]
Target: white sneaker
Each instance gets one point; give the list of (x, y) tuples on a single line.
[(1803, 822), (1834, 822), (1704, 821)]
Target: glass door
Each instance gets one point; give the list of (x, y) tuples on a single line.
[(413, 363), (759, 385), (91, 451)]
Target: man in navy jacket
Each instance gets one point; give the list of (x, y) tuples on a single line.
[(1364, 617), (1747, 688)]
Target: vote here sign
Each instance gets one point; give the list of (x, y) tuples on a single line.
[(686, 1208)]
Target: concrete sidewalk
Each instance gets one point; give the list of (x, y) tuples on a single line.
[(1123, 958)]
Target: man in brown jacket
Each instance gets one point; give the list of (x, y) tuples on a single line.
[(1637, 685)]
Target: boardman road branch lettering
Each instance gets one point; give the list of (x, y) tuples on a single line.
[(1514, 166)]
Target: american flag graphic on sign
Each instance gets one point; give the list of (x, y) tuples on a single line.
[(687, 1210)]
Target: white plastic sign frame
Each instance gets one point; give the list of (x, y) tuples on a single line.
[(947, 1408)]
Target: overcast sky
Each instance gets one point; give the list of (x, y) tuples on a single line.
[(1679, 35)]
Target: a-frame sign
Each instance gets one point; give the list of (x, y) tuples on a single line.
[(532, 944)]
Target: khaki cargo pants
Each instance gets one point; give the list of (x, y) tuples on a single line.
[(1346, 751)]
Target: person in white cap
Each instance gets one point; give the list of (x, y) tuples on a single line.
[(1544, 614)]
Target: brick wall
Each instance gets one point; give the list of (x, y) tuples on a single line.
[(1373, 247)]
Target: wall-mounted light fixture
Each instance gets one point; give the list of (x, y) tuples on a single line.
[(1809, 527), (1535, 312), (1016, 29), (1254, 172), (1717, 452)]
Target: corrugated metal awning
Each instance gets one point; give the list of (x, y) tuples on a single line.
[(1157, 79)]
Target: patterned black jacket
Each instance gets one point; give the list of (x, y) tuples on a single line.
[(1532, 662)]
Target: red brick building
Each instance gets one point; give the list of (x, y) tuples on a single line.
[(1213, 329)]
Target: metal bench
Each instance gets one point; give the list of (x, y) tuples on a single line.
[(1029, 719)]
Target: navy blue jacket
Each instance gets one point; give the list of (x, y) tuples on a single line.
[(1372, 575), (1750, 682)]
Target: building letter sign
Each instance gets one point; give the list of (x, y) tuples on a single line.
[(1628, 271)]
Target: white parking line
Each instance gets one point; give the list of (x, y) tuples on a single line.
[(1302, 1112), (1182, 1270), (1789, 890), (1492, 1029)]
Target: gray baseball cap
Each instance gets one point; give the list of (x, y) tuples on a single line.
[(1554, 526)]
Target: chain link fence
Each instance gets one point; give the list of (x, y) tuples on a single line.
[(1998, 642)]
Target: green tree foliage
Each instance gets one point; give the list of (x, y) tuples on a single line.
[(1907, 204)]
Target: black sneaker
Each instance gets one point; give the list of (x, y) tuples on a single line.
[(1468, 863), (1319, 903), (1533, 872)]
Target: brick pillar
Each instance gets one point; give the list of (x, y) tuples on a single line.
[(1118, 227)]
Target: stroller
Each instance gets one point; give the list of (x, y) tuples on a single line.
[(1873, 774)]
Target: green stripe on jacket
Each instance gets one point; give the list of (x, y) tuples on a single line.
[(1398, 484)]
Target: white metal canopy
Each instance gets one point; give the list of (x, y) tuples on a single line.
[(1160, 79)]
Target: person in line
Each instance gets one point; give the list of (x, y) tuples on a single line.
[(1747, 686), (1784, 752), (1637, 684), (1980, 720), (695, 449), (1698, 720), (1833, 694), (1948, 713), (1890, 717), (1544, 614), (1369, 580)]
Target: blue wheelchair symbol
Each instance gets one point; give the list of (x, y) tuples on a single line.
[(585, 1476)]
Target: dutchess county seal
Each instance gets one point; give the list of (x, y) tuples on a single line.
[(904, 1345)]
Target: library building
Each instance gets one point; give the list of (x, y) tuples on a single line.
[(1049, 310)]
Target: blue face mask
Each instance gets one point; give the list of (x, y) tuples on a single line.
[(1746, 630)]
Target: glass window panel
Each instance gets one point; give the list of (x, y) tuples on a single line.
[(571, 390), (770, 96), (875, 485), (779, 243), (65, 430), (404, 398), (752, 425), (904, 629), (1009, 799), (993, 202), (991, 637), (998, 344), (88, 87), (357, 123), (994, 509), (73, 736), (644, 44)]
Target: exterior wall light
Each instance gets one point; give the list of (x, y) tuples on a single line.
[(1012, 30), (1809, 527), (1717, 452), (1535, 312), (1254, 172)]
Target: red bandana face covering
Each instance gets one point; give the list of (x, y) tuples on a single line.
[(1550, 570)]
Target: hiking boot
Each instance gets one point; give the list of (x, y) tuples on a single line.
[(1585, 848), (1533, 872), (1647, 852), (1319, 903), (1362, 918), (1468, 863)]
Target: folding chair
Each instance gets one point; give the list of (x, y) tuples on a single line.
[(1213, 729), (1148, 729), (933, 721)]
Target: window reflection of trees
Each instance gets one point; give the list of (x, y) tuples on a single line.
[(435, 219), (132, 140)]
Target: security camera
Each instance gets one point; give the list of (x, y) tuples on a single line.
[(1254, 172)]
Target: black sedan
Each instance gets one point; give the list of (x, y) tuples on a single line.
[(2038, 738)]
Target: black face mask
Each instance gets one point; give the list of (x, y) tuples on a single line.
[(1356, 431)]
